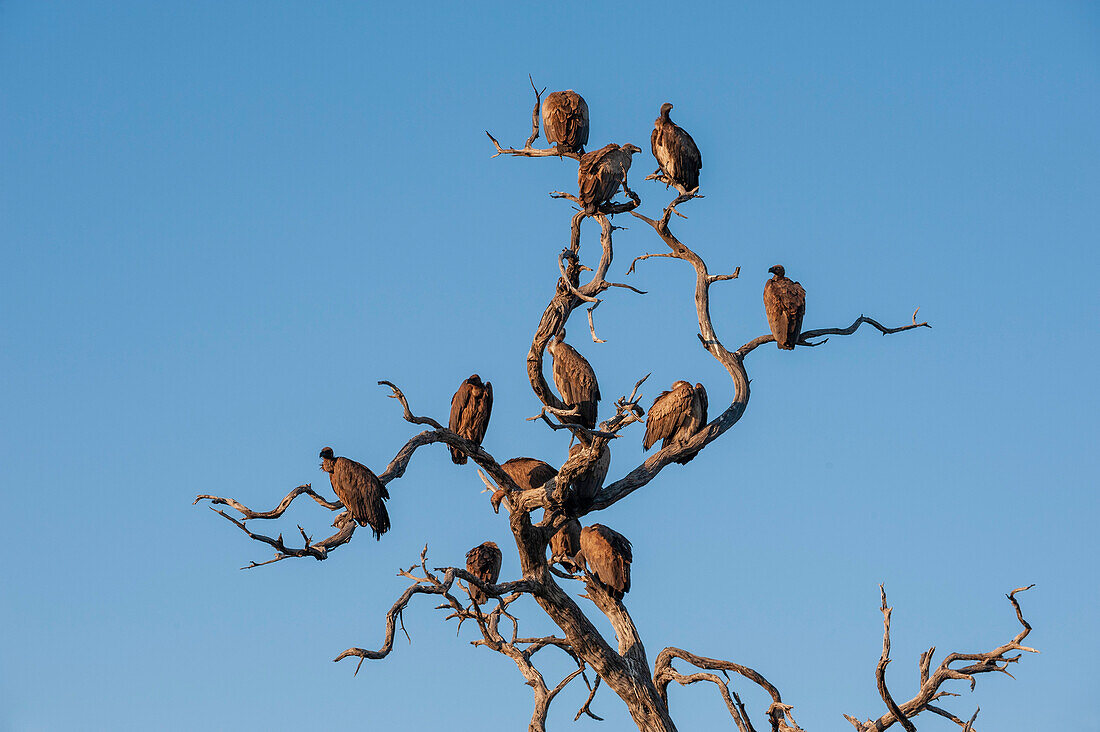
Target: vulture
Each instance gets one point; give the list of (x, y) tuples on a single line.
[(583, 473), (565, 121), (565, 545), (483, 562), (675, 417), (677, 156), (576, 381), (785, 304), (470, 409), (601, 172), (607, 556), (525, 472), (359, 490)]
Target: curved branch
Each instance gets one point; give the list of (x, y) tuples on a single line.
[(318, 550), (663, 666), (990, 661), (806, 335), (304, 489), (880, 668)]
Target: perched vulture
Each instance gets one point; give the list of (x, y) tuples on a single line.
[(565, 121), (528, 472), (676, 415), (525, 472), (676, 153), (359, 490), (785, 304), (470, 409), (565, 545), (607, 555), (601, 172), (583, 473), (483, 562), (576, 381)]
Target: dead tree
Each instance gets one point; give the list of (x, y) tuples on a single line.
[(621, 663)]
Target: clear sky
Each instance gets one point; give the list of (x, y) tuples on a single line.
[(222, 223)]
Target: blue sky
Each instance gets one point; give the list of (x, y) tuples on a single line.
[(222, 223)]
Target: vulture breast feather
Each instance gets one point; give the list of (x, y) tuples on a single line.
[(785, 305)]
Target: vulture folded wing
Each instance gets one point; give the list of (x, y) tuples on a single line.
[(669, 411), (595, 176), (565, 120), (608, 555), (685, 157), (362, 494), (460, 402), (483, 562), (527, 472), (576, 382), (785, 305)]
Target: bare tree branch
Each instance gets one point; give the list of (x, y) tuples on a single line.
[(995, 660), (880, 669), (248, 513)]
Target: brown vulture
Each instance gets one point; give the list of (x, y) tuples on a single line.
[(359, 490), (785, 304), (677, 155), (607, 555), (470, 409), (576, 381), (565, 121), (565, 545), (601, 172), (675, 417), (583, 473), (483, 562), (525, 472)]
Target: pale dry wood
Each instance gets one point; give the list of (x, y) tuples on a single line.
[(994, 660), (519, 650)]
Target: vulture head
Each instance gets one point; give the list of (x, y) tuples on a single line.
[(328, 459), (665, 109), (475, 380), (631, 148), (778, 270)]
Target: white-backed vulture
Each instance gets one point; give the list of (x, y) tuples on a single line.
[(527, 473), (676, 415), (483, 562), (470, 409), (359, 490), (785, 305), (583, 473), (676, 153), (601, 172), (607, 554), (565, 544), (699, 406), (565, 120), (576, 381)]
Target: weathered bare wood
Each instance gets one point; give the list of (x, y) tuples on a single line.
[(303, 490), (880, 668), (994, 660)]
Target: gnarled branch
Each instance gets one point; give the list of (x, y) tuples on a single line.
[(994, 660)]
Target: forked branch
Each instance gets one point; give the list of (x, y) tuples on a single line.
[(955, 666)]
